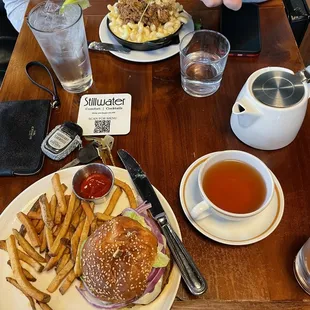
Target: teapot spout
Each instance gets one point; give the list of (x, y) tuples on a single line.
[(247, 114)]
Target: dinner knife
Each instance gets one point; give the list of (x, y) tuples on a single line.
[(190, 273), (103, 47)]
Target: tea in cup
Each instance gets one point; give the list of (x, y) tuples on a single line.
[(234, 185)]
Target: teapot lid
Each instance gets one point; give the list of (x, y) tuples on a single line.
[(278, 89)]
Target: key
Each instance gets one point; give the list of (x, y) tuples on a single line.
[(85, 155), (104, 147)]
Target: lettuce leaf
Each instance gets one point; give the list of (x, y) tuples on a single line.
[(134, 216), (161, 260)]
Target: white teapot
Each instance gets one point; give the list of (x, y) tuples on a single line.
[(271, 107)]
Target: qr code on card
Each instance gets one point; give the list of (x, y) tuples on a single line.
[(102, 126)]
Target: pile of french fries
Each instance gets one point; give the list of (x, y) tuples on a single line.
[(57, 228)]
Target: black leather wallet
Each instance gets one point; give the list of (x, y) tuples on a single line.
[(23, 126)]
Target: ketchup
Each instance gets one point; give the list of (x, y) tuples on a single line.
[(95, 186)]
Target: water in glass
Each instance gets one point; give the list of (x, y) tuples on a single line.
[(203, 56), (63, 41), (201, 74)]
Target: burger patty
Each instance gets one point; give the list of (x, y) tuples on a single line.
[(117, 260)]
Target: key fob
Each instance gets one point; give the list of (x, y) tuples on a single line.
[(88, 153), (62, 140)]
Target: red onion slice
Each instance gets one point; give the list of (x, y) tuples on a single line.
[(152, 283), (143, 207)]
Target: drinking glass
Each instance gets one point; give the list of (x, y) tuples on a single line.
[(302, 267), (203, 56), (62, 38)]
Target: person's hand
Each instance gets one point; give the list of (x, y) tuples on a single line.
[(231, 4)]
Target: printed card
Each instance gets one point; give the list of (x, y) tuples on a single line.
[(108, 114)]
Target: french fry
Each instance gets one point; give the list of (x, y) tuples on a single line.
[(93, 225), (83, 216), (84, 235), (67, 197), (113, 201), (56, 230), (43, 241), (60, 276), (127, 189), (44, 306), (39, 226), (47, 257), (77, 204), (27, 274), (32, 233), (53, 204), (35, 222), (75, 240), (76, 217), (54, 260), (46, 211), (49, 237), (64, 187), (61, 251), (23, 257), (57, 219), (34, 208), (67, 283), (64, 227), (88, 211), (26, 246), (23, 230), (63, 261), (103, 217), (14, 283), (19, 275), (34, 215), (66, 243), (59, 193)]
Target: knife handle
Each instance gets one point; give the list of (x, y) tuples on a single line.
[(190, 273)]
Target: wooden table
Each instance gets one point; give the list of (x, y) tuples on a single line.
[(169, 130)]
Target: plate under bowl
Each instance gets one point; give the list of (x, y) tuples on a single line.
[(148, 45)]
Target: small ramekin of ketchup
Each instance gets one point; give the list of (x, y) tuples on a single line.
[(93, 182)]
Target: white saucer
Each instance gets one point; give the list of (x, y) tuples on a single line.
[(150, 56), (224, 231)]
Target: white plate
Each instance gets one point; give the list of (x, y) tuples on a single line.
[(148, 56), (224, 231), (11, 298)]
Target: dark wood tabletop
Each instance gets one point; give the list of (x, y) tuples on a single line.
[(170, 130)]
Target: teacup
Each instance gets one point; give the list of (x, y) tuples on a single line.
[(206, 207)]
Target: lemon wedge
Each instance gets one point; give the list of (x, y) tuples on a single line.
[(84, 4)]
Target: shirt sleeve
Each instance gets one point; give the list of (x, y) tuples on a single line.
[(15, 10)]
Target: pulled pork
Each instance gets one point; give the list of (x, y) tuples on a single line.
[(130, 11)]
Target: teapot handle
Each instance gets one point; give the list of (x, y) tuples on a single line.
[(304, 76)]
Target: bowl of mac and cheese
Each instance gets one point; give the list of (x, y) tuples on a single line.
[(145, 25)]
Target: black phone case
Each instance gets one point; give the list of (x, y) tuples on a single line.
[(23, 126), (238, 14)]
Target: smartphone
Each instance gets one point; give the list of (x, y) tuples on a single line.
[(242, 29)]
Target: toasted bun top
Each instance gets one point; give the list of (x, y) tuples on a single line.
[(117, 260)]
